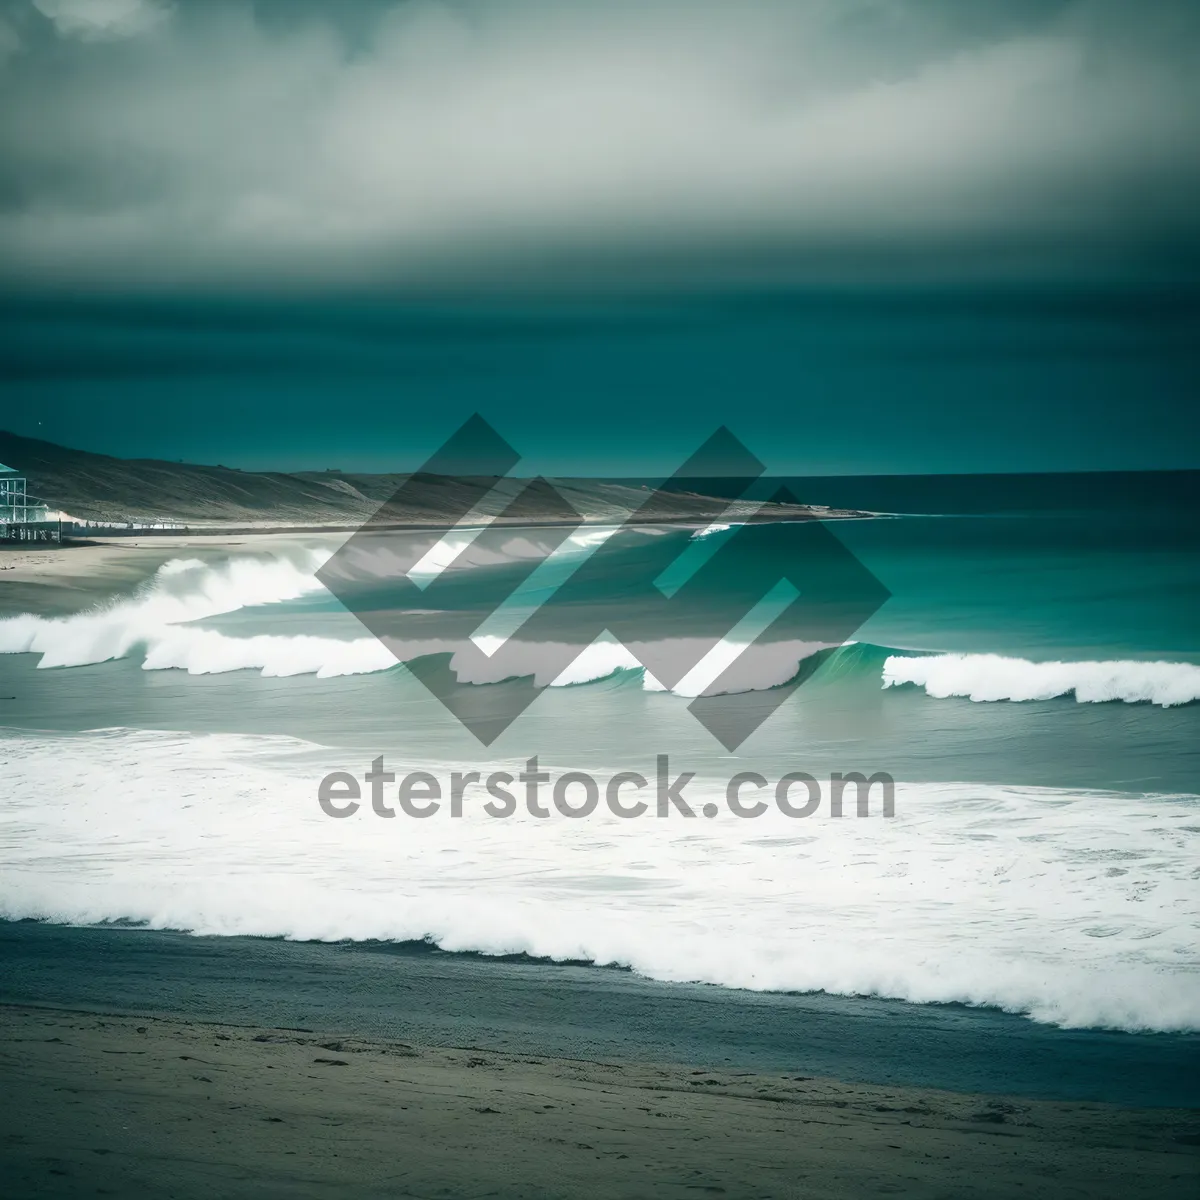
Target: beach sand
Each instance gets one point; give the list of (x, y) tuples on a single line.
[(111, 1105)]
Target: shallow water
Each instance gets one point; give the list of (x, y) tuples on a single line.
[(413, 992)]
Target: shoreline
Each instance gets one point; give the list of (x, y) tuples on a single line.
[(153, 1106), (415, 992)]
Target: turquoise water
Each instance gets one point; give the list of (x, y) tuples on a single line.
[(1074, 589), (1030, 686)]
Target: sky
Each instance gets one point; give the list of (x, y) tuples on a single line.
[(912, 235)]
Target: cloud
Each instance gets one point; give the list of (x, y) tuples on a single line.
[(445, 143), (103, 20)]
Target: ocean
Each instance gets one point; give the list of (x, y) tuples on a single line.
[(1030, 685)]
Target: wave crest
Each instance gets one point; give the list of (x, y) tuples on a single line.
[(159, 622), (180, 591), (221, 835), (983, 677)]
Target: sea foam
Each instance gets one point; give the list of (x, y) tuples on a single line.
[(161, 623), (1077, 908), (983, 677), (180, 591)]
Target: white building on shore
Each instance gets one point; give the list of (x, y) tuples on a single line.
[(17, 507)]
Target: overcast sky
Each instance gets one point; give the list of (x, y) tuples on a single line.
[(214, 145)]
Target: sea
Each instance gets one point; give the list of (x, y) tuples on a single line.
[(1029, 683)]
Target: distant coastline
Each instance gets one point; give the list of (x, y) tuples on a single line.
[(160, 497)]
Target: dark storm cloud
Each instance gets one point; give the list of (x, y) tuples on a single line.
[(262, 145)]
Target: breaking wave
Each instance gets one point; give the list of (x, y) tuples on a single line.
[(982, 677), (161, 622), (1075, 907), (180, 591)]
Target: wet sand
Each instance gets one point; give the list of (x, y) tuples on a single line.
[(109, 1105), (413, 992)]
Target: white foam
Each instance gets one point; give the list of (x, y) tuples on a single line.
[(159, 622), (181, 591), (208, 652), (984, 677), (1077, 908)]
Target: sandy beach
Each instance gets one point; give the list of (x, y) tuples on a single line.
[(116, 1105)]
